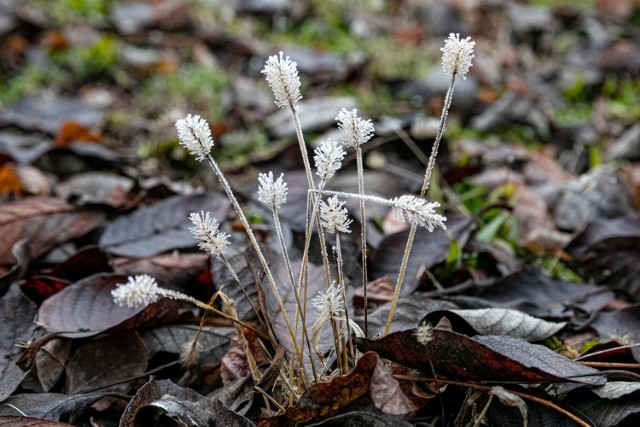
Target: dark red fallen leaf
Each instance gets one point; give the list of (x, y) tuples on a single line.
[(161, 227), (429, 249), (45, 221), (621, 325), (480, 358), (86, 308), (325, 400), (106, 362), (49, 406), (16, 317), (29, 422), (159, 402), (39, 287)]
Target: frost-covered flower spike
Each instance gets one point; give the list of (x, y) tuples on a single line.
[(334, 216), (139, 291), (328, 158), (195, 136), (354, 130), (272, 193), (418, 211), (457, 55), (282, 75), (329, 302), (205, 230)]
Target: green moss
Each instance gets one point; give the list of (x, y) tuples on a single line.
[(194, 86)]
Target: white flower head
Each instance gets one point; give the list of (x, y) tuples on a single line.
[(205, 230), (195, 135), (417, 211), (272, 193), (282, 75), (329, 302), (354, 130), (457, 55), (139, 290), (334, 216), (328, 157)]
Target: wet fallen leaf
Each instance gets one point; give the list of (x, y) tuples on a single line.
[(161, 227)]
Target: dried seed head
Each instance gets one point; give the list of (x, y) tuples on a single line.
[(139, 290), (272, 193), (354, 130), (417, 211), (205, 230), (328, 157), (282, 75), (334, 216), (195, 135), (457, 55)]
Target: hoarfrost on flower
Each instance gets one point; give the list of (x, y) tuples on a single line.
[(272, 193), (206, 230), (354, 130), (334, 216), (139, 290), (282, 76), (417, 211), (457, 55), (195, 135), (328, 158)]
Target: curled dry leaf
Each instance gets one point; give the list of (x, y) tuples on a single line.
[(502, 321)]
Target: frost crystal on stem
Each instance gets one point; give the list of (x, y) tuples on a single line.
[(282, 75), (205, 230), (354, 130), (272, 193), (334, 216), (328, 158), (457, 55), (139, 290), (417, 211), (195, 135)]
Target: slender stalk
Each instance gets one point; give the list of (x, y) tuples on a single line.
[(285, 253), (338, 250), (423, 191), (363, 236), (312, 186), (256, 246)]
